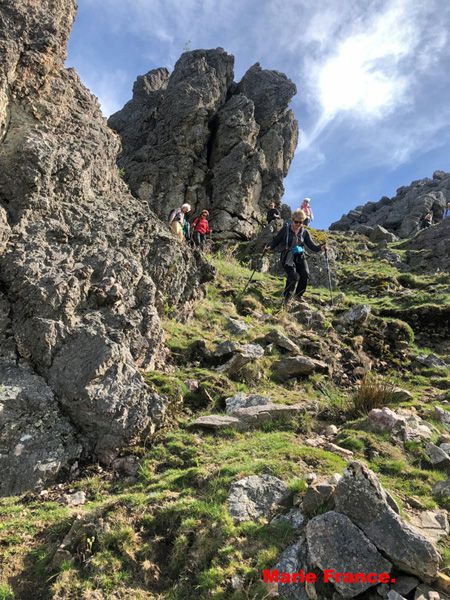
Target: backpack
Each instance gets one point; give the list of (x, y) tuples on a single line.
[(172, 216)]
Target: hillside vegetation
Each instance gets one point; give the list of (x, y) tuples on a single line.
[(158, 526)]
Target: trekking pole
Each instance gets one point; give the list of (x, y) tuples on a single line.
[(251, 276), (329, 275)]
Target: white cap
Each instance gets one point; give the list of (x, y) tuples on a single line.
[(187, 207), (306, 199)]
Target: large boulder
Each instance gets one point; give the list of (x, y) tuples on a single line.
[(360, 497), (401, 214), (335, 543), (195, 136), (88, 268)]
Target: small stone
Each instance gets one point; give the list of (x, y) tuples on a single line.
[(310, 478), (256, 496), (437, 456), (76, 499), (192, 384), (295, 518), (331, 431), (242, 400), (405, 584), (237, 582), (424, 592), (335, 478), (398, 394), (442, 415), (318, 495), (431, 523), (237, 327), (282, 341), (393, 595), (442, 488), (343, 452), (216, 422)]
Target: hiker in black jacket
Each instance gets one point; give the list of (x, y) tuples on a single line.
[(293, 237)]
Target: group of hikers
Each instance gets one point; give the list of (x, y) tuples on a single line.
[(194, 233), (292, 238)]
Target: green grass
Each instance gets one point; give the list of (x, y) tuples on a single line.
[(169, 534)]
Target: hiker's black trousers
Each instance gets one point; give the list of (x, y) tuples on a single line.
[(297, 278)]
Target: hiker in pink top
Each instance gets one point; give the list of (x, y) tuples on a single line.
[(306, 208)]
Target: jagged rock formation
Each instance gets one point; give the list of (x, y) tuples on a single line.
[(402, 213), (197, 137), (429, 250), (84, 266)]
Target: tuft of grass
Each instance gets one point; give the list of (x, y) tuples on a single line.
[(372, 392), (6, 592)]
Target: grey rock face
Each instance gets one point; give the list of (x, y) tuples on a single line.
[(360, 496), (87, 266), (197, 137), (36, 441), (255, 496), (429, 250), (401, 214), (334, 542)]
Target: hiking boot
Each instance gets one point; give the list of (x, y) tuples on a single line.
[(300, 299)]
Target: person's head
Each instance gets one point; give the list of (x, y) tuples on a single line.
[(272, 205), (298, 216), (204, 214), (307, 201), (448, 204), (186, 208)]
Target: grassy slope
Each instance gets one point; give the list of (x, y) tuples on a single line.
[(168, 533)]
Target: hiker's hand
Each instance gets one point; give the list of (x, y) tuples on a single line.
[(267, 247), (323, 247)]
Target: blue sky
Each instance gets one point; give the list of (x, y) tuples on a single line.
[(372, 76)]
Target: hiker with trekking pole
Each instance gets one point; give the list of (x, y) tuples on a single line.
[(293, 237)]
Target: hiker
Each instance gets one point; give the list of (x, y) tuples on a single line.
[(273, 213), (177, 220), (447, 212), (294, 237), (306, 208), (426, 221), (200, 228)]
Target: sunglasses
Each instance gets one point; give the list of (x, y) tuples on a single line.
[(298, 222)]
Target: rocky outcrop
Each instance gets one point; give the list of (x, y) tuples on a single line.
[(360, 497), (429, 250), (402, 213), (335, 543), (196, 136), (84, 266)]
